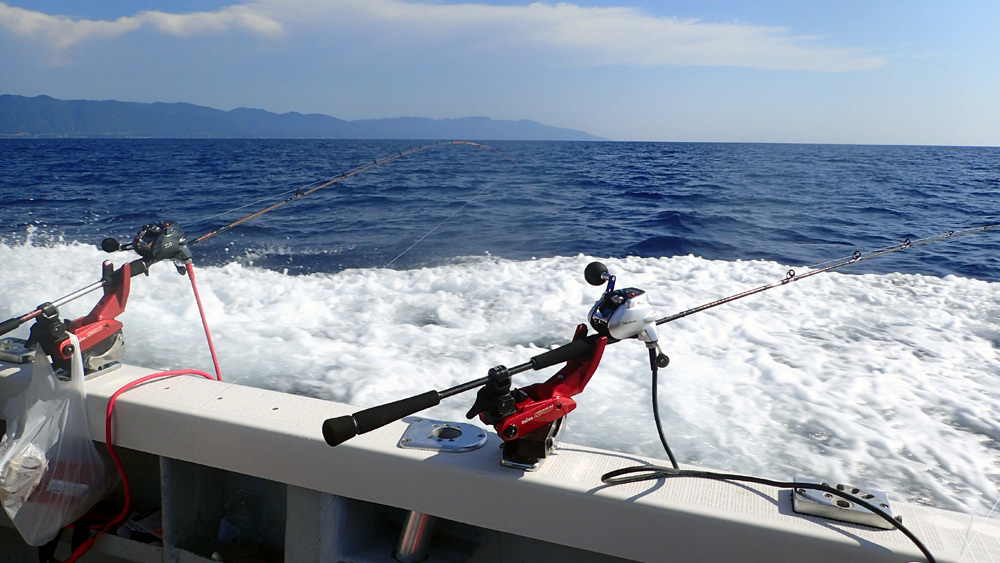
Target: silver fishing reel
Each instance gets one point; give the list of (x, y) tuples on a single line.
[(623, 313), (620, 313)]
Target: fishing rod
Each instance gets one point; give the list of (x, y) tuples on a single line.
[(111, 245), (300, 193), (98, 331), (165, 241), (855, 258), (528, 419)]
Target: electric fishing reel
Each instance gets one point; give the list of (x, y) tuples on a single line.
[(623, 313), (162, 240)]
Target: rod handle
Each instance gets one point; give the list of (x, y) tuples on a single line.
[(137, 267), (564, 353), (9, 325), (342, 428)]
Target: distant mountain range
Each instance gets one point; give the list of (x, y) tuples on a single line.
[(43, 116)]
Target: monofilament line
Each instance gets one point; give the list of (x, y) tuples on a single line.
[(968, 539), (448, 218), (299, 192)]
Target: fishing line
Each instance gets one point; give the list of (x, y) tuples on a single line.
[(300, 192), (456, 212), (250, 204), (968, 540)]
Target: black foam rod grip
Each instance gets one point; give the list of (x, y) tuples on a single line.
[(9, 325), (340, 429), (564, 353)]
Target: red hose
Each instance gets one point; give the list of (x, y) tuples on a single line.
[(204, 321), (85, 546)]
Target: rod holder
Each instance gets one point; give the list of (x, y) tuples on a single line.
[(415, 538)]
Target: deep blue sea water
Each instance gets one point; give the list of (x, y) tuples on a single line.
[(793, 204), (885, 375)]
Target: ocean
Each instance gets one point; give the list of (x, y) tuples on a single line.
[(423, 272)]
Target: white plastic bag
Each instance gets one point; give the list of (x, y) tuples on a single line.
[(50, 471)]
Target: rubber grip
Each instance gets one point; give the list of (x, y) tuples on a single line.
[(9, 325), (137, 267), (564, 353), (340, 429)]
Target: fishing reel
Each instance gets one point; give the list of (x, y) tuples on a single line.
[(623, 313), (162, 240)]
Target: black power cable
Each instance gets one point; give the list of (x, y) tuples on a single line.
[(639, 473), (651, 472), (656, 410)]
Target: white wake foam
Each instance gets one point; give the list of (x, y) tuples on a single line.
[(887, 381)]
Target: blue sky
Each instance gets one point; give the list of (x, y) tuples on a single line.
[(891, 72)]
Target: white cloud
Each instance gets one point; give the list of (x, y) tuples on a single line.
[(626, 36), (591, 35), (62, 32), (231, 17), (588, 36)]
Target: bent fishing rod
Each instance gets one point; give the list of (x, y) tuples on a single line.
[(301, 193), (836, 264), (164, 240), (618, 315)]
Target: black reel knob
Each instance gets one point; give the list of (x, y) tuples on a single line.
[(110, 245), (596, 273)]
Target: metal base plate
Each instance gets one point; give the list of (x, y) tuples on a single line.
[(66, 376), (16, 351), (529, 451), (828, 505), (435, 435), (107, 368), (523, 466)]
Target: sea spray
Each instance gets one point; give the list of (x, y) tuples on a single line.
[(885, 380)]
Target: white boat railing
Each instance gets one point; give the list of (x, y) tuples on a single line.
[(207, 454)]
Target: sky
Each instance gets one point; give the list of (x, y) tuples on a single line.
[(796, 71)]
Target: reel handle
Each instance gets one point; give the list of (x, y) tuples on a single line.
[(110, 245), (596, 273)]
